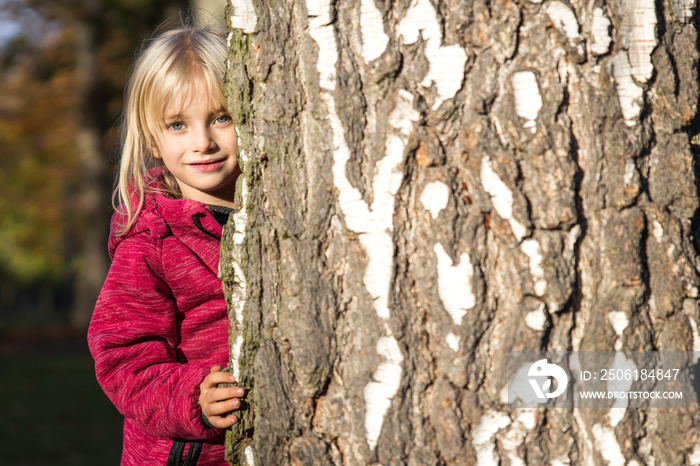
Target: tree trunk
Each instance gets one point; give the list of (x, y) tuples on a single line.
[(95, 189), (430, 186)]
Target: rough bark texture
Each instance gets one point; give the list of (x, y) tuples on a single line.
[(434, 184)]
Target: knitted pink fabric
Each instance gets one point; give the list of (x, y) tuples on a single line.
[(159, 325)]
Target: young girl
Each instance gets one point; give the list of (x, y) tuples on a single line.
[(159, 331)]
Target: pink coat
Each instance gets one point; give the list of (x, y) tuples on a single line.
[(159, 325)]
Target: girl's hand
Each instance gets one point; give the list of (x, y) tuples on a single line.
[(217, 403)]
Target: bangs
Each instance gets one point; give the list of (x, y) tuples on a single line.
[(175, 96)]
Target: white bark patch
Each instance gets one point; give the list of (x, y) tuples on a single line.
[(573, 236), (684, 9), (527, 417), (696, 339), (455, 284), (247, 21), (565, 20), (503, 396), (657, 230), (511, 441), (536, 319), (562, 461), (501, 197), (533, 251), (616, 415), (381, 390), (452, 341), (696, 334), (483, 438), (435, 196), (619, 322), (243, 16), (584, 440), (694, 456), (248, 452), (528, 101), (236, 346), (240, 287), (629, 94), (617, 410), (630, 172), (375, 222), (640, 35), (607, 445), (322, 32), (515, 437), (600, 30), (374, 39), (239, 294), (446, 68)]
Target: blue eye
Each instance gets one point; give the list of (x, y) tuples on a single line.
[(177, 126), (222, 119)]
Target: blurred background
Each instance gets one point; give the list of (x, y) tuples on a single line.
[(63, 67)]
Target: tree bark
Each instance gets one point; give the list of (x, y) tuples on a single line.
[(95, 189), (430, 186)]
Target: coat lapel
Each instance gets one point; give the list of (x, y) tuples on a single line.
[(183, 217)]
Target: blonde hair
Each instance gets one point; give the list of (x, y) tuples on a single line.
[(162, 74)]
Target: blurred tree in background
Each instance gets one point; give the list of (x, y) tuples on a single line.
[(62, 76)]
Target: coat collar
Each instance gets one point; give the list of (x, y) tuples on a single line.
[(162, 215), (195, 226)]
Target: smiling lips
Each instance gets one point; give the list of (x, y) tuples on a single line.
[(208, 165)]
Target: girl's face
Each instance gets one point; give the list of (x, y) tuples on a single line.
[(198, 146)]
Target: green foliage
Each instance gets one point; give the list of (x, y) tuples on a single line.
[(38, 166), (42, 197)]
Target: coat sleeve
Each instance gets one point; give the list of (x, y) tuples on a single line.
[(133, 338)]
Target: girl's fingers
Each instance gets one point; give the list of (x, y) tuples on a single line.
[(228, 421), (221, 408), (216, 377), (217, 403), (222, 394), (223, 422)]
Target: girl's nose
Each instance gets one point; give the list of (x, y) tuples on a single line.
[(202, 140)]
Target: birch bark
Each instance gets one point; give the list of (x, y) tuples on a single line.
[(434, 184)]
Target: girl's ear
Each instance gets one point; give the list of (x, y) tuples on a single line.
[(155, 153)]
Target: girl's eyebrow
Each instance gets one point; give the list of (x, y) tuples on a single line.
[(180, 115)]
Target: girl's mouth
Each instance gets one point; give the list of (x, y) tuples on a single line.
[(208, 165)]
